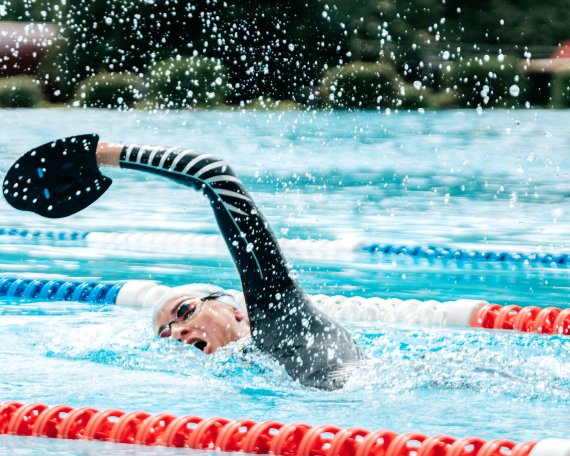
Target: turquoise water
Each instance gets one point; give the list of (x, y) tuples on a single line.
[(497, 180)]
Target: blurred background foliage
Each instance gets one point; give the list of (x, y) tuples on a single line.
[(292, 50)]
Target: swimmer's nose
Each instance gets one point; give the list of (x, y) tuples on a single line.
[(179, 333)]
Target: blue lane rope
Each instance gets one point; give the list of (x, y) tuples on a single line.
[(468, 255), (61, 290), (429, 252), (45, 234)]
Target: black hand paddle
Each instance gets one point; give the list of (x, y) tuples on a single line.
[(57, 179)]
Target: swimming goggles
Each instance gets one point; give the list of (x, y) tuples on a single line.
[(188, 309)]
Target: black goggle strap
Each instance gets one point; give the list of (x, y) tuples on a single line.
[(214, 295), (185, 310)]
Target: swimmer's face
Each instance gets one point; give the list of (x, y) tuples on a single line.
[(208, 325)]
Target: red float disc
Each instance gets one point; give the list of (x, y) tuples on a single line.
[(74, 424), (562, 323), (486, 315), (468, 446), (260, 436), (544, 322), (151, 430), (206, 433), (102, 424), (402, 445), (315, 442), (506, 317), (376, 443), (346, 442), (23, 419), (7, 409), (495, 447), (523, 449), (525, 321), (47, 424), (232, 435), (286, 441), (178, 432), (436, 445), (125, 431)]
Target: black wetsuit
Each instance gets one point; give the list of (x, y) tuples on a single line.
[(314, 349)]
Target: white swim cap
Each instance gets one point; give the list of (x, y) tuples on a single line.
[(197, 290)]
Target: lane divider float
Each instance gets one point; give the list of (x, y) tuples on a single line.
[(459, 313), (201, 242), (249, 436)]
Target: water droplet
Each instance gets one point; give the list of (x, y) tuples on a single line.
[(514, 90)]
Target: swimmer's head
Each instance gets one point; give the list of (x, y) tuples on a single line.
[(201, 315)]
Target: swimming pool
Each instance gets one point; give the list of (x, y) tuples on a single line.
[(494, 180)]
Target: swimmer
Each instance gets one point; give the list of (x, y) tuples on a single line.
[(63, 177)]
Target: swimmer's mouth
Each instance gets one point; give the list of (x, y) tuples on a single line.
[(199, 344)]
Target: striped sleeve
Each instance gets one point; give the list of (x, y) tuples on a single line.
[(247, 234)]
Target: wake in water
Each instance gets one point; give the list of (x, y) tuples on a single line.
[(521, 366), (397, 359)]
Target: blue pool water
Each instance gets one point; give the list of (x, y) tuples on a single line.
[(497, 180)]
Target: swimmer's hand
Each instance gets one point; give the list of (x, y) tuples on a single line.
[(56, 179)]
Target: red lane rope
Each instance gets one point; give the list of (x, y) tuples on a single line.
[(179, 430), (74, 424), (126, 429), (288, 438), (468, 446), (376, 443), (436, 446), (101, 424), (260, 436), (317, 440), (347, 441), (151, 430), (23, 419), (247, 436), (47, 424), (550, 320), (206, 433)]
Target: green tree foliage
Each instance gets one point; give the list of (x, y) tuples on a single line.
[(361, 85), (30, 10), (560, 92), (487, 82), (418, 35), (272, 49), (19, 92), (110, 90), (485, 23), (178, 83), (280, 49)]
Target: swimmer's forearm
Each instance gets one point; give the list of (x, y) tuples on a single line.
[(108, 154)]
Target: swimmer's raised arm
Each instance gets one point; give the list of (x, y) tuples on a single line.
[(313, 348)]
